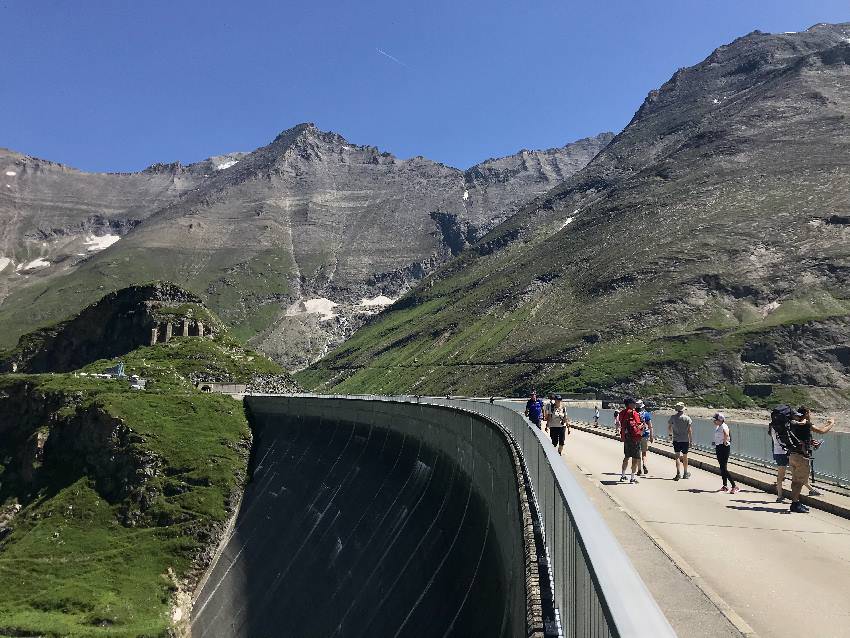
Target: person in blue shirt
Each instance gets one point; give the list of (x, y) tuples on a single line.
[(648, 436), (534, 409)]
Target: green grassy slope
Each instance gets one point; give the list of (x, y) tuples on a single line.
[(128, 493)]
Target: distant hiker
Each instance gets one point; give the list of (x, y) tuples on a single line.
[(630, 428), (557, 422), (680, 430), (534, 409), (615, 422), (722, 448), (596, 417), (647, 436), (492, 400)]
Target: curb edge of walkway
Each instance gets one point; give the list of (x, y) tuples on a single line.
[(753, 481), (680, 563)]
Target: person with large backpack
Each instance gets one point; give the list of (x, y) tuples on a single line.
[(631, 430), (794, 431)]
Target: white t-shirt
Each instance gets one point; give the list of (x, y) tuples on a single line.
[(777, 445), (719, 431), (555, 416)]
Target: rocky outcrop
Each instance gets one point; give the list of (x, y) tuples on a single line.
[(120, 322)]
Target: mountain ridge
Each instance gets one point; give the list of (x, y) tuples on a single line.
[(292, 226), (668, 247)]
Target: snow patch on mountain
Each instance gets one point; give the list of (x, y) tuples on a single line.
[(319, 306), (35, 263), (94, 243), (227, 164), (380, 300)]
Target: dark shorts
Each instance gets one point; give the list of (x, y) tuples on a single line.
[(631, 449), (557, 435), (681, 447), (781, 460)]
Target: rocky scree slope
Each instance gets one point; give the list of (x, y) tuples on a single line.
[(113, 500), (705, 252), (294, 244)]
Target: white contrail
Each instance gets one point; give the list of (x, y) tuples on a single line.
[(391, 57)]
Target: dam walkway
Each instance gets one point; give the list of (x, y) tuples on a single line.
[(438, 517), (773, 572)]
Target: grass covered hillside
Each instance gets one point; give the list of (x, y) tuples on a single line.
[(113, 500), (703, 254)]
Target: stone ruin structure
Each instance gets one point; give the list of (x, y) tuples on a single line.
[(163, 331)]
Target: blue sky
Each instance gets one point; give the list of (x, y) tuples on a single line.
[(117, 85)]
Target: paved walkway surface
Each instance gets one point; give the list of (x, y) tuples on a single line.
[(777, 574), (690, 611)]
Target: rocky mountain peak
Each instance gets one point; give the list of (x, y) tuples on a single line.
[(734, 69)]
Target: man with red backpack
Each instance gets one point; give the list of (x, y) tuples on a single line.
[(630, 427)]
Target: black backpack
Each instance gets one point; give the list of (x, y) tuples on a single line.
[(780, 422)]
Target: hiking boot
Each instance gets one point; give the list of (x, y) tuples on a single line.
[(623, 479), (799, 508), (645, 471), (634, 480), (638, 472), (815, 493), (687, 475), (724, 489), (735, 490), (677, 477)]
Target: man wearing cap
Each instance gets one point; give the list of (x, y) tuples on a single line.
[(534, 409), (647, 436), (680, 430), (557, 422)]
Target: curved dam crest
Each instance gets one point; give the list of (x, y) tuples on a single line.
[(369, 518)]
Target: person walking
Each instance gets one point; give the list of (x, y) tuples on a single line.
[(680, 431), (722, 448), (596, 417), (647, 436), (630, 429), (534, 409), (780, 457), (557, 422), (816, 443), (800, 449)]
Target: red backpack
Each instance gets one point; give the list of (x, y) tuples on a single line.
[(634, 427)]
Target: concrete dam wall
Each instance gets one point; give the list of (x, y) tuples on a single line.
[(367, 518)]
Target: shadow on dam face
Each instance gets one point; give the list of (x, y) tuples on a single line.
[(365, 518)]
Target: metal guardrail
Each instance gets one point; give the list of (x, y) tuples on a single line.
[(750, 442), (598, 592)]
